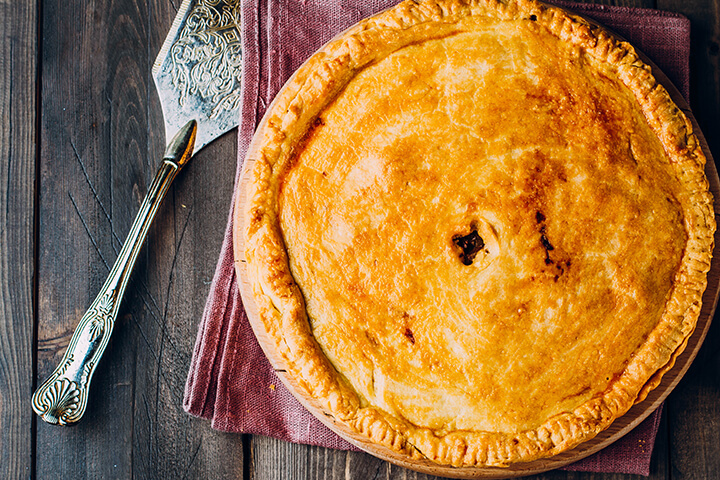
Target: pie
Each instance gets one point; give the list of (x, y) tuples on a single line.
[(477, 232)]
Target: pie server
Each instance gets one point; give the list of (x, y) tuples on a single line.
[(197, 75)]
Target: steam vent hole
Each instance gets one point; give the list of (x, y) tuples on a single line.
[(469, 246)]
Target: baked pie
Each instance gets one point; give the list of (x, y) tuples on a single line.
[(477, 232)]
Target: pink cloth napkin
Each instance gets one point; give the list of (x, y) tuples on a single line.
[(230, 381)]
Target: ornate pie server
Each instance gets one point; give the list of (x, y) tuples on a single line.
[(197, 75)]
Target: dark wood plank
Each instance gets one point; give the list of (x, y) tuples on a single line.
[(84, 211), (274, 459), (103, 133), (18, 136)]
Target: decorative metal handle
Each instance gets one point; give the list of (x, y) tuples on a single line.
[(62, 399)]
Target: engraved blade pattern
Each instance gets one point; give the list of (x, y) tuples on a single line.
[(199, 68)]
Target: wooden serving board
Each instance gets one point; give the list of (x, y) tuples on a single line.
[(617, 430)]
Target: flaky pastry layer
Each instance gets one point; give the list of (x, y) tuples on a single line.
[(477, 232)]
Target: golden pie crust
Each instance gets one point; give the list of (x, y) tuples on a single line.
[(477, 232)]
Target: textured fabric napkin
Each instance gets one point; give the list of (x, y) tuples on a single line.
[(230, 381)]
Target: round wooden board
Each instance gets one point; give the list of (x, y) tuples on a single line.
[(617, 430)]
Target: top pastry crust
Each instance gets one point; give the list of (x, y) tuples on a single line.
[(477, 231)]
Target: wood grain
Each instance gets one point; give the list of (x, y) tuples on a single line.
[(85, 67), (18, 136), (102, 127), (80, 224)]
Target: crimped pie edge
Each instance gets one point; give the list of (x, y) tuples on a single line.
[(280, 302)]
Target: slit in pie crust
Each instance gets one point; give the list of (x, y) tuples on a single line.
[(477, 232)]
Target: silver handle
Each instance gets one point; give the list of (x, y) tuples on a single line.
[(62, 399)]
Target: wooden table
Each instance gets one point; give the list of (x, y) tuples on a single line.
[(81, 140)]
